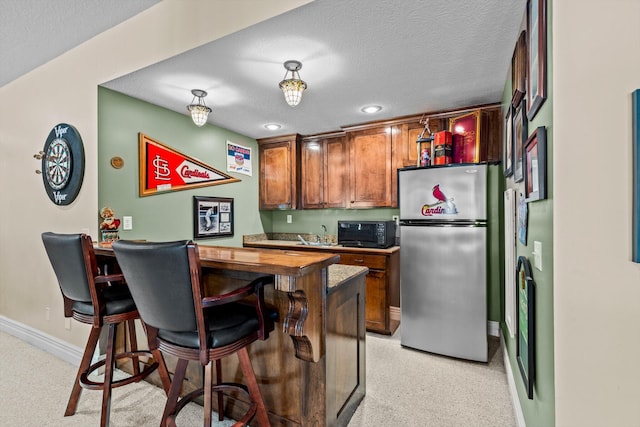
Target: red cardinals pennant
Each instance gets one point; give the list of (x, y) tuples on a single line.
[(164, 169)]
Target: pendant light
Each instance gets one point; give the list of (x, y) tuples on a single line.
[(199, 111), (292, 87)]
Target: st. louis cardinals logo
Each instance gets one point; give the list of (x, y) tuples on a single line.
[(161, 169), (443, 206)]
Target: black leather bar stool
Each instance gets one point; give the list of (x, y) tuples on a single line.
[(97, 299), (165, 282)]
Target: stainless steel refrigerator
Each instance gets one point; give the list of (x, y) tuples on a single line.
[(443, 260)]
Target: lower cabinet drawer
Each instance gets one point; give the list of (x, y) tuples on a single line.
[(366, 260)]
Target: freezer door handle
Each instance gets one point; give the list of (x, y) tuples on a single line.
[(458, 223)]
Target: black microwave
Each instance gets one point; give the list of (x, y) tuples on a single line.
[(367, 234)]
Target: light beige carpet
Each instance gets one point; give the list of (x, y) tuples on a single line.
[(411, 388), (404, 388)]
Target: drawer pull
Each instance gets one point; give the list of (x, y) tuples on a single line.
[(358, 260)]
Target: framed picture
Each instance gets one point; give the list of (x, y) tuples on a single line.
[(507, 152), (635, 105), (536, 55), (526, 324), (523, 213), (519, 70), (519, 128), (212, 217), (535, 156)]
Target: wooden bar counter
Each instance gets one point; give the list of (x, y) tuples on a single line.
[(311, 369)]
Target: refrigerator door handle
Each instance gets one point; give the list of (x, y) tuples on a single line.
[(435, 223)]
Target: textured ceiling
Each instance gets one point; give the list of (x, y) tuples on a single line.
[(33, 32), (408, 56)]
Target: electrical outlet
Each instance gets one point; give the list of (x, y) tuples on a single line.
[(396, 218), (67, 323), (289, 219), (127, 223)]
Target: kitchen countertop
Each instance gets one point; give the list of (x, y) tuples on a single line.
[(340, 273), (263, 241)]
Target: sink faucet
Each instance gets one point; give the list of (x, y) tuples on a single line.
[(324, 233)]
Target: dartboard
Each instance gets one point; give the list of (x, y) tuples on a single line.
[(63, 164), (58, 164)]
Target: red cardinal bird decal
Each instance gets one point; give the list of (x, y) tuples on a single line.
[(438, 194)]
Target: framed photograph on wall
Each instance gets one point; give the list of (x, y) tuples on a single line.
[(212, 217), (526, 324), (519, 127), (519, 70), (635, 105), (535, 159), (536, 55), (507, 152)]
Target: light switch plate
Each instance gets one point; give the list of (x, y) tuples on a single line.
[(127, 223), (289, 219), (537, 255)]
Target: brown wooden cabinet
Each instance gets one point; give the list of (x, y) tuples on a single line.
[(370, 168), (279, 177), (324, 172), (382, 279), (355, 167)]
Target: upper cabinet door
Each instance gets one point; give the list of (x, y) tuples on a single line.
[(370, 168), (278, 172), (312, 169), (324, 173), (336, 173)]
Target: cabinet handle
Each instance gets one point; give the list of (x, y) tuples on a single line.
[(358, 260)]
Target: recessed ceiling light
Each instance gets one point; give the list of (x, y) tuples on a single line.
[(370, 109), (272, 126)]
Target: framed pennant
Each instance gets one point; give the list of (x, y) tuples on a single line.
[(163, 169)]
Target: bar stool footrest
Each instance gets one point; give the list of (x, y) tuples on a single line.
[(88, 384)]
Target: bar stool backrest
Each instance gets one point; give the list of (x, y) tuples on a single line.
[(159, 280), (67, 258)]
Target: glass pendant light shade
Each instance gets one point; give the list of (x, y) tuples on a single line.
[(199, 111), (292, 87)]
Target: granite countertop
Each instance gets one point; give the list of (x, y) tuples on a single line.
[(290, 241), (340, 273)]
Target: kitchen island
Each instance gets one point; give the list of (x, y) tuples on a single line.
[(382, 312), (311, 369)]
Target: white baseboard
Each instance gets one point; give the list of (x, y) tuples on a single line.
[(493, 328), (61, 349), (517, 409)]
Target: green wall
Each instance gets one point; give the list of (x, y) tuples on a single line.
[(540, 411), (168, 216)]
